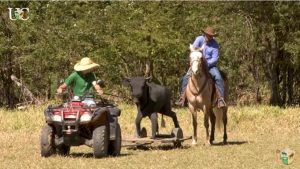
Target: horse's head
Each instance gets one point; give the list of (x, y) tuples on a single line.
[(196, 60)]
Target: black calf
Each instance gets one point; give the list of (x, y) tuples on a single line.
[(150, 99)]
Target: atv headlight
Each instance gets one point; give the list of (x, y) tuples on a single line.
[(56, 118), (85, 117)]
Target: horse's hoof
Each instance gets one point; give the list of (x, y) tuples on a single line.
[(208, 143), (194, 142)]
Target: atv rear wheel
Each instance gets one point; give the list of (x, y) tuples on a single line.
[(47, 141), (114, 147), (100, 141), (63, 150)]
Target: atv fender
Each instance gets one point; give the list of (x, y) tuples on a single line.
[(100, 117)]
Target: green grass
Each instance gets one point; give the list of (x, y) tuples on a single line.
[(254, 134)]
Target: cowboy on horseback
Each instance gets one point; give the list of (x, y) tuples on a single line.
[(210, 48)]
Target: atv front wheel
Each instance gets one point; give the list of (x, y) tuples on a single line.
[(114, 147), (100, 141), (47, 141)]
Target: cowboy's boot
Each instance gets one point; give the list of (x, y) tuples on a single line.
[(220, 100), (182, 100)]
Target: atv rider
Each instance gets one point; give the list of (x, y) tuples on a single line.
[(82, 79)]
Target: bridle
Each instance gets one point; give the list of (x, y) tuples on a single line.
[(195, 60), (196, 74)]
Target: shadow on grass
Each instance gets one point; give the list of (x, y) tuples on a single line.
[(164, 147), (90, 155), (231, 143)]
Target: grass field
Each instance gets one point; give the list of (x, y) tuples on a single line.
[(254, 135)]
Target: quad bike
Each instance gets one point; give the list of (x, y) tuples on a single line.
[(82, 121)]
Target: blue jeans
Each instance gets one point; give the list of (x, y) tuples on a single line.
[(184, 81), (216, 75)]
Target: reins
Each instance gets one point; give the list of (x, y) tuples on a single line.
[(200, 90)]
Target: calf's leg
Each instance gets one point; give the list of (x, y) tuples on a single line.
[(166, 110), (175, 120), (138, 120), (154, 124), (173, 116)]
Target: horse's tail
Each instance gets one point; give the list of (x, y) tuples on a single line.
[(220, 113), (219, 118)]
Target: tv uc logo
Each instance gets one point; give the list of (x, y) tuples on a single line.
[(18, 14)]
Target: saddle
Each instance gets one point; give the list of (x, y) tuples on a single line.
[(216, 96)]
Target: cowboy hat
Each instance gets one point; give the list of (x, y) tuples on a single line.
[(85, 64), (209, 31)]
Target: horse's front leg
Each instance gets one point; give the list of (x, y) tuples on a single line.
[(206, 125), (194, 121)]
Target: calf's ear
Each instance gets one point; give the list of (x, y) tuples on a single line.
[(126, 82)]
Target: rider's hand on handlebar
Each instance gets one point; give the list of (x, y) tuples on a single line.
[(59, 91)]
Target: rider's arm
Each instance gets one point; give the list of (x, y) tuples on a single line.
[(97, 88), (198, 42), (67, 82), (214, 56)]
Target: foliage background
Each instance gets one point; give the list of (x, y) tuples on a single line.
[(259, 45)]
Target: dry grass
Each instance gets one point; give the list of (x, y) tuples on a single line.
[(254, 135)]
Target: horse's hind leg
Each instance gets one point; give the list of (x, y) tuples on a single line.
[(212, 122), (225, 124)]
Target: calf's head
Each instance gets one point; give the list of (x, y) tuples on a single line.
[(138, 86)]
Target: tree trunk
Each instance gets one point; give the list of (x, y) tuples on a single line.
[(275, 95), (290, 86), (27, 92), (6, 81)]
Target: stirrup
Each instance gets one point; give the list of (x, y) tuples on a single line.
[(221, 103), (180, 102)]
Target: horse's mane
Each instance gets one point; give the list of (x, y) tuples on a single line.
[(206, 70), (205, 67)]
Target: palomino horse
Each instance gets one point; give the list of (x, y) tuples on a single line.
[(201, 94)]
